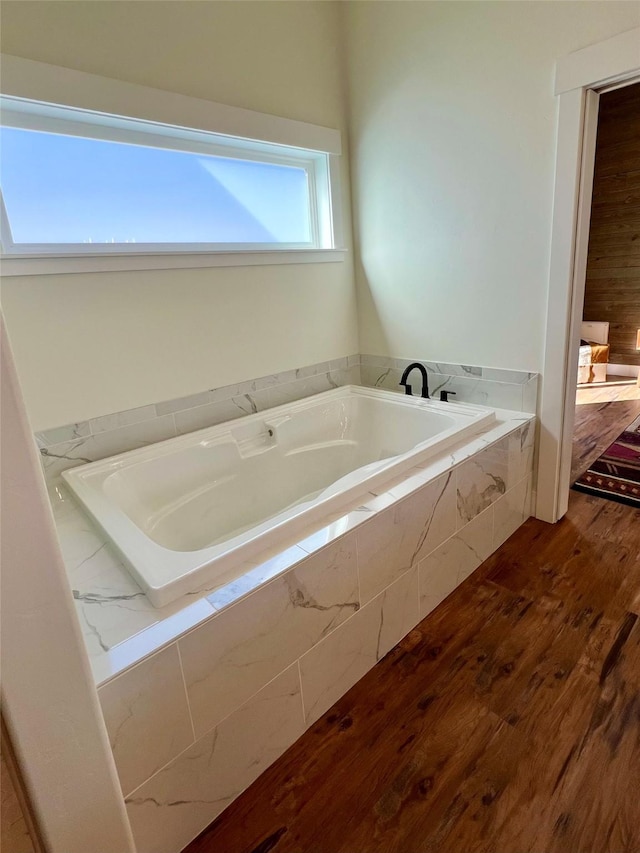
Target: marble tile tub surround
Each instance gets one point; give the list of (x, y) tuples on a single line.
[(121, 626), (488, 386), (88, 441), (256, 674)]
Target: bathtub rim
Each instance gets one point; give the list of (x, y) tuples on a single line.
[(150, 563)]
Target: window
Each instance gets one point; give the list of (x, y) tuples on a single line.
[(64, 191), (79, 183)]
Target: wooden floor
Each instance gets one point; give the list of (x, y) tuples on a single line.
[(507, 722), (598, 424)]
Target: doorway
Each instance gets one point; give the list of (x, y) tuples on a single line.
[(608, 389), (579, 76)]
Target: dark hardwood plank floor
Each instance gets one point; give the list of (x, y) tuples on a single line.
[(597, 425), (507, 722)]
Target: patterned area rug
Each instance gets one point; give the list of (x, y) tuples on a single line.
[(616, 474)]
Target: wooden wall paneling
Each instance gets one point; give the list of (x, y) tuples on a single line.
[(613, 267)]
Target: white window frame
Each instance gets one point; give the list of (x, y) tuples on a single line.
[(43, 97)]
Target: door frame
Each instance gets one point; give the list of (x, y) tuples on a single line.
[(609, 63)]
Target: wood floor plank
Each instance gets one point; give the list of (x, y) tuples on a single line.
[(422, 800), (606, 757), (530, 817), (597, 425)]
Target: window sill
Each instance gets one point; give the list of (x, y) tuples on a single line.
[(65, 264)]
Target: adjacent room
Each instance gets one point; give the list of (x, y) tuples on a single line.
[(310, 541), (608, 394)]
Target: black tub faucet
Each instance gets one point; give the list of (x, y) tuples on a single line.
[(425, 381)]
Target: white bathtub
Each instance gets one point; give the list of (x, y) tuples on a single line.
[(186, 513)]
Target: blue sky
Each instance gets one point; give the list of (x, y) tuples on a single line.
[(67, 189)]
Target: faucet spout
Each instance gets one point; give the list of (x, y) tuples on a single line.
[(425, 380)]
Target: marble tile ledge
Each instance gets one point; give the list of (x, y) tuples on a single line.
[(88, 441), (120, 625)]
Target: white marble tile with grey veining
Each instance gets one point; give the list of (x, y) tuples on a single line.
[(407, 483), (201, 417), (528, 434), (121, 419), (454, 560), (253, 574), (329, 374), (483, 392), (343, 376), (227, 392), (375, 360), (449, 369), (437, 580), (291, 391), (383, 360), (387, 378), (482, 480), (191, 401), (221, 411), (333, 666), (451, 458), (468, 384), (500, 374), (234, 654), (84, 549), (139, 646), (334, 527), (350, 375), (530, 395), (284, 376), (396, 540), (310, 370), (142, 739), (473, 544), (512, 510), (400, 605), (111, 607), (62, 434), (172, 807), (110, 604), (376, 502), (59, 457), (521, 452)]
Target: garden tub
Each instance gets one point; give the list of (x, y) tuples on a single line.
[(189, 513)]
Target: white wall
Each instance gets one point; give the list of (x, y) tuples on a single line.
[(87, 345), (48, 698), (453, 123)]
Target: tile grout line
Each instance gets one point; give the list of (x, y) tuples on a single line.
[(357, 546), (208, 731), (304, 713)]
